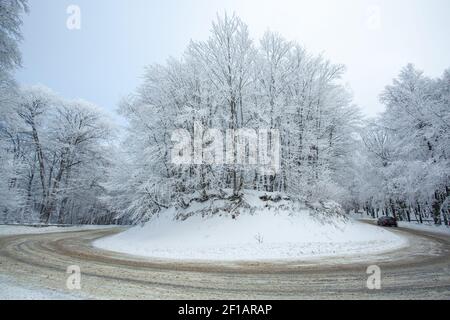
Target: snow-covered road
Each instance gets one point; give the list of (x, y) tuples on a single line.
[(39, 262)]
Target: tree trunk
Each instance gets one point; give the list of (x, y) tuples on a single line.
[(40, 157)]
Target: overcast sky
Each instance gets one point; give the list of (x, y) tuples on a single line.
[(104, 60)]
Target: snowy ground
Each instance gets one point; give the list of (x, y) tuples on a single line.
[(270, 233), (9, 230), (11, 290), (426, 226)]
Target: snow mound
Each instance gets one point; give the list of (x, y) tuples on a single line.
[(276, 229)]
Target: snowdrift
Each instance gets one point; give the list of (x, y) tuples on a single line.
[(266, 227)]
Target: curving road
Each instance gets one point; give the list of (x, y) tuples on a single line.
[(420, 271)]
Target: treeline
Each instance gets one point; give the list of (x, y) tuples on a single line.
[(55, 157), (54, 153), (62, 161), (404, 168)]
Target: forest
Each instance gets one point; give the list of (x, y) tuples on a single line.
[(67, 162)]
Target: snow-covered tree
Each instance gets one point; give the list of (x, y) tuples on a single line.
[(10, 58), (229, 83), (10, 34), (408, 173), (59, 152)]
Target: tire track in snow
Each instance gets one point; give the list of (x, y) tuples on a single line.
[(420, 271)]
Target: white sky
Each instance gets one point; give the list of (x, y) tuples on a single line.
[(104, 60)]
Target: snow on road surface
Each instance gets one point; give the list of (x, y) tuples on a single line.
[(268, 234), (426, 226), (10, 230), (438, 229), (11, 290)]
